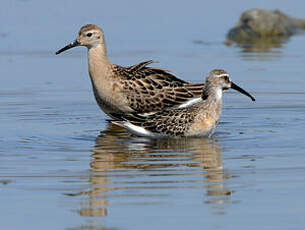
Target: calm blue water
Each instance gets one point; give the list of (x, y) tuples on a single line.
[(62, 166)]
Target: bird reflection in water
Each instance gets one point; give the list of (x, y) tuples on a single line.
[(140, 171)]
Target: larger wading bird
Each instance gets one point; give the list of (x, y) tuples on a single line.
[(134, 89)]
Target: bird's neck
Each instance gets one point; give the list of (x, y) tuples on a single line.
[(97, 59), (99, 65), (212, 94), (100, 71), (212, 101)]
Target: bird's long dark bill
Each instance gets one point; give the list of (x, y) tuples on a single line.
[(71, 45), (236, 87)]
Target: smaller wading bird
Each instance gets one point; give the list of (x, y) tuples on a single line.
[(134, 89), (199, 119)]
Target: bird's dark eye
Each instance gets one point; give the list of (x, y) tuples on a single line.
[(226, 78), (89, 35)]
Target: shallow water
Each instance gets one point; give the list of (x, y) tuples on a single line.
[(63, 166)]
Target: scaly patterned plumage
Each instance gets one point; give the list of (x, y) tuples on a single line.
[(151, 89), (163, 123)]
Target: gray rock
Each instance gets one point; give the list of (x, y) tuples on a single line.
[(259, 26)]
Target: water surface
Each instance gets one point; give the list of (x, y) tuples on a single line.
[(63, 166)]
